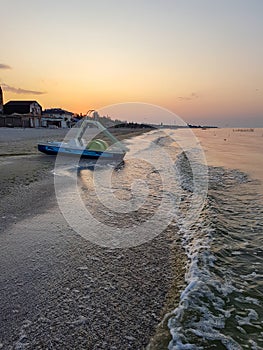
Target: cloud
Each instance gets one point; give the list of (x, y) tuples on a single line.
[(21, 91), (193, 96), (4, 66)]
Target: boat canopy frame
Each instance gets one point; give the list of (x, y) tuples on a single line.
[(85, 123)]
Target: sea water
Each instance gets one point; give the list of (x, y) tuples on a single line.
[(221, 305)]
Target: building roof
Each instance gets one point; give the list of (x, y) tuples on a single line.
[(20, 103), (21, 107), (58, 111)]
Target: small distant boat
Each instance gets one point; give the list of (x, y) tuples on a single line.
[(93, 148)]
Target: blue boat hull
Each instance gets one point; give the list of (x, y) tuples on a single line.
[(55, 149)]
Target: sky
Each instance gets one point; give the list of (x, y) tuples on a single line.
[(199, 59)]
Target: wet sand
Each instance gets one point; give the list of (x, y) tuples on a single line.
[(59, 291)]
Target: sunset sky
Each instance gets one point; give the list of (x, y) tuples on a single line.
[(201, 59)]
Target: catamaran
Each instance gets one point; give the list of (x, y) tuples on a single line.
[(81, 141)]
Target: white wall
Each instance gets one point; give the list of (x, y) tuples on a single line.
[(35, 108)]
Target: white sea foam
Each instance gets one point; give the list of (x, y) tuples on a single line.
[(215, 255)]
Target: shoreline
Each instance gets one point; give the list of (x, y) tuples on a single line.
[(20, 141), (60, 288)]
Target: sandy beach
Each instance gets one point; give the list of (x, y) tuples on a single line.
[(59, 291)]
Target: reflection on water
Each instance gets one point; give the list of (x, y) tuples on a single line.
[(135, 183)]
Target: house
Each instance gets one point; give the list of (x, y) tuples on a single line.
[(22, 114), (56, 118), (23, 107)]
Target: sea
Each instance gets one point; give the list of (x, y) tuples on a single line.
[(221, 305), (207, 184)]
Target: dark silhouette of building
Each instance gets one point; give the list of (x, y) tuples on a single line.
[(1, 101), (21, 114), (56, 117), (23, 107)]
